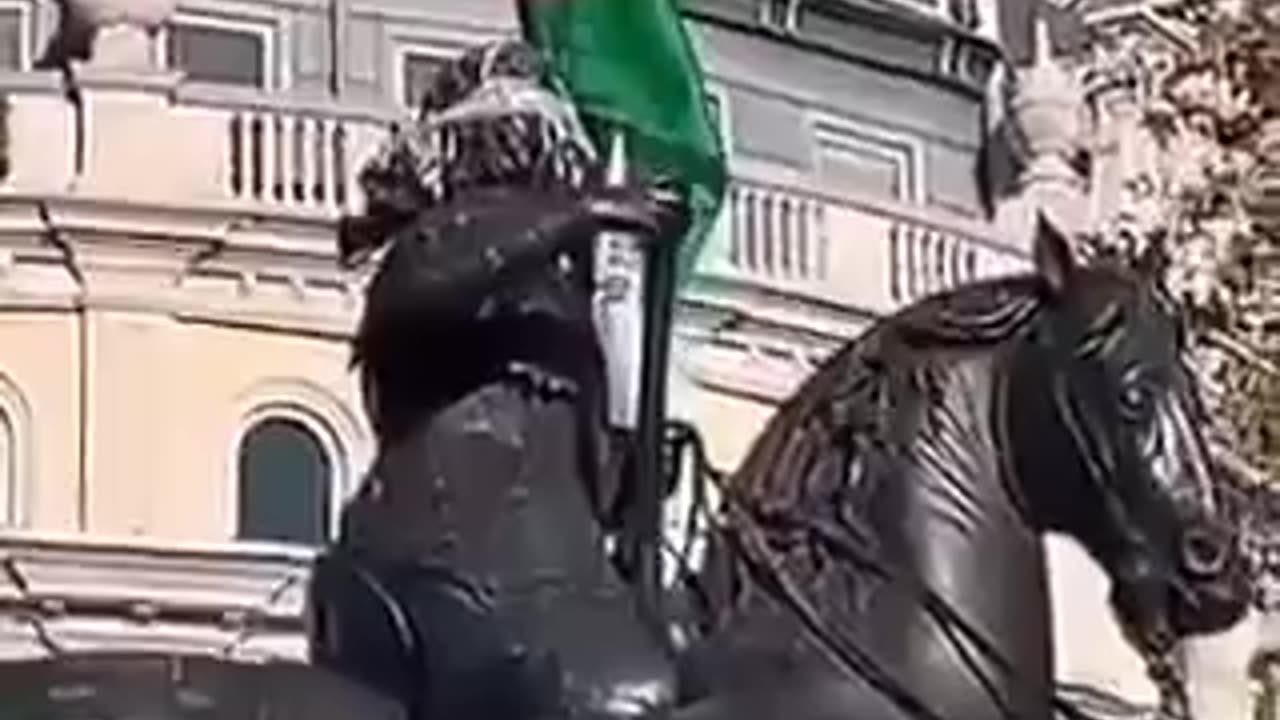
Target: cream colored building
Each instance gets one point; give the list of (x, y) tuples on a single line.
[(178, 422)]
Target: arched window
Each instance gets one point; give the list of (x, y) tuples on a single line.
[(285, 477)]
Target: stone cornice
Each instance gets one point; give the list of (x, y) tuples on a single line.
[(743, 303), (219, 265), (75, 592), (744, 341)]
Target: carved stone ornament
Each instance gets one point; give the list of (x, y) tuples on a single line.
[(122, 32)]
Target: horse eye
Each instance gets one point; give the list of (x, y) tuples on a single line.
[(1133, 399)]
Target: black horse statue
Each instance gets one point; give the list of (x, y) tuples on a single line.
[(880, 552), (471, 579)]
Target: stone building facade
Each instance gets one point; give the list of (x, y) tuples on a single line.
[(178, 423)]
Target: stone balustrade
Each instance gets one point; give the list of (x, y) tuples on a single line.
[(149, 140), (295, 158), (868, 254)]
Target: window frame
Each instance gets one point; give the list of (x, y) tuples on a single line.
[(267, 29), (400, 53), (904, 151), (330, 445), (26, 39)]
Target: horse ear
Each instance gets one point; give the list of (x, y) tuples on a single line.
[(1052, 254)]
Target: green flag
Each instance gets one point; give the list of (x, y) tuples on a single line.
[(628, 65)]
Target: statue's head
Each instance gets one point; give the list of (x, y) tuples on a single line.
[(492, 118), (487, 119)]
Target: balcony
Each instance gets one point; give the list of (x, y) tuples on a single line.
[(795, 249), (157, 142), (263, 179)]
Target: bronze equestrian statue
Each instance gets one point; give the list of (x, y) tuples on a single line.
[(878, 553), (881, 556), (478, 540)]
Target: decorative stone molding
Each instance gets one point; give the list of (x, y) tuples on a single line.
[(1047, 102), (125, 30), (188, 262), (1047, 106), (77, 593)]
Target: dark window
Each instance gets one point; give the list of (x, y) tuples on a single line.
[(860, 163), (217, 55), (859, 170), (417, 69), (284, 478), (12, 33)]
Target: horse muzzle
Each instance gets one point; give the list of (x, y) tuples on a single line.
[(1215, 590), (1204, 553)]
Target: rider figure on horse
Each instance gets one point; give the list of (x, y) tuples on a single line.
[(478, 535)]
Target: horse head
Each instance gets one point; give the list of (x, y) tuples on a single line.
[(1106, 430)]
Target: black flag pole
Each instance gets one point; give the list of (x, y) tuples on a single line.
[(643, 526), (646, 423), (659, 296)]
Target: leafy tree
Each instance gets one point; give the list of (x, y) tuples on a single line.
[(1209, 206)]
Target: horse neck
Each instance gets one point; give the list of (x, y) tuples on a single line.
[(948, 514), (954, 491)]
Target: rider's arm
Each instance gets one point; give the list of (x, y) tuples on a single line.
[(446, 263)]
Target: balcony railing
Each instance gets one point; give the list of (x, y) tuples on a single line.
[(293, 157), (838, 248), (287, 159), (271, 158), (778, 234), (172, 145)]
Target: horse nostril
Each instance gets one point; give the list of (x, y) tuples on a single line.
[(1204, 553)]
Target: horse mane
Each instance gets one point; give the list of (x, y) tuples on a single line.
[(848, 397)]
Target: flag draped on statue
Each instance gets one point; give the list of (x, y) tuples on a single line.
[(628, 65)]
